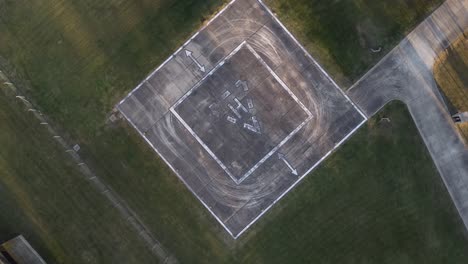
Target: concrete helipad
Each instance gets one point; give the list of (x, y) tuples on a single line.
[(241, 113)]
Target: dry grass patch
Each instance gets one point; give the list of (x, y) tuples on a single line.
[(451, 74)]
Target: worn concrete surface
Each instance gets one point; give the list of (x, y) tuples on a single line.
[(187, 111), (239, 136), (406, 74)]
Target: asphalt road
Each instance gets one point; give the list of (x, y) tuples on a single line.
[(406, 74)]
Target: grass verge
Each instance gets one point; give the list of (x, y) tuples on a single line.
[(342, 34), (362, 205), (451, 74), (44, 197), (378, 199)]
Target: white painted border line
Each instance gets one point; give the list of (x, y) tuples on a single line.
[(323, 158), (247, 174), (178, 50), (221, 63), (300, 179), (312, 58), (178, 175), (292, 186), (279, 80), (146, 79), (200, 141), (285, 87), (271, 152)]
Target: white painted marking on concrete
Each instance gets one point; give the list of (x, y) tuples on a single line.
[(270, 70), (240, 105), (283, 158), (189, 54), (250, 103), (258, 164), (248, 173), (312, 58), (225, 94), (231, 119), (170, 57), (255, 127), (220, 163), (251, 128), (177, 174), (299, 180), (234, 110), (255, 121), (206, 76), (242, 84)]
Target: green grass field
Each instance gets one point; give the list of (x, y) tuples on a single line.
[(82, 57), (44, 197), (450, 72), (362, 205), (341, 34), (378, 199)]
